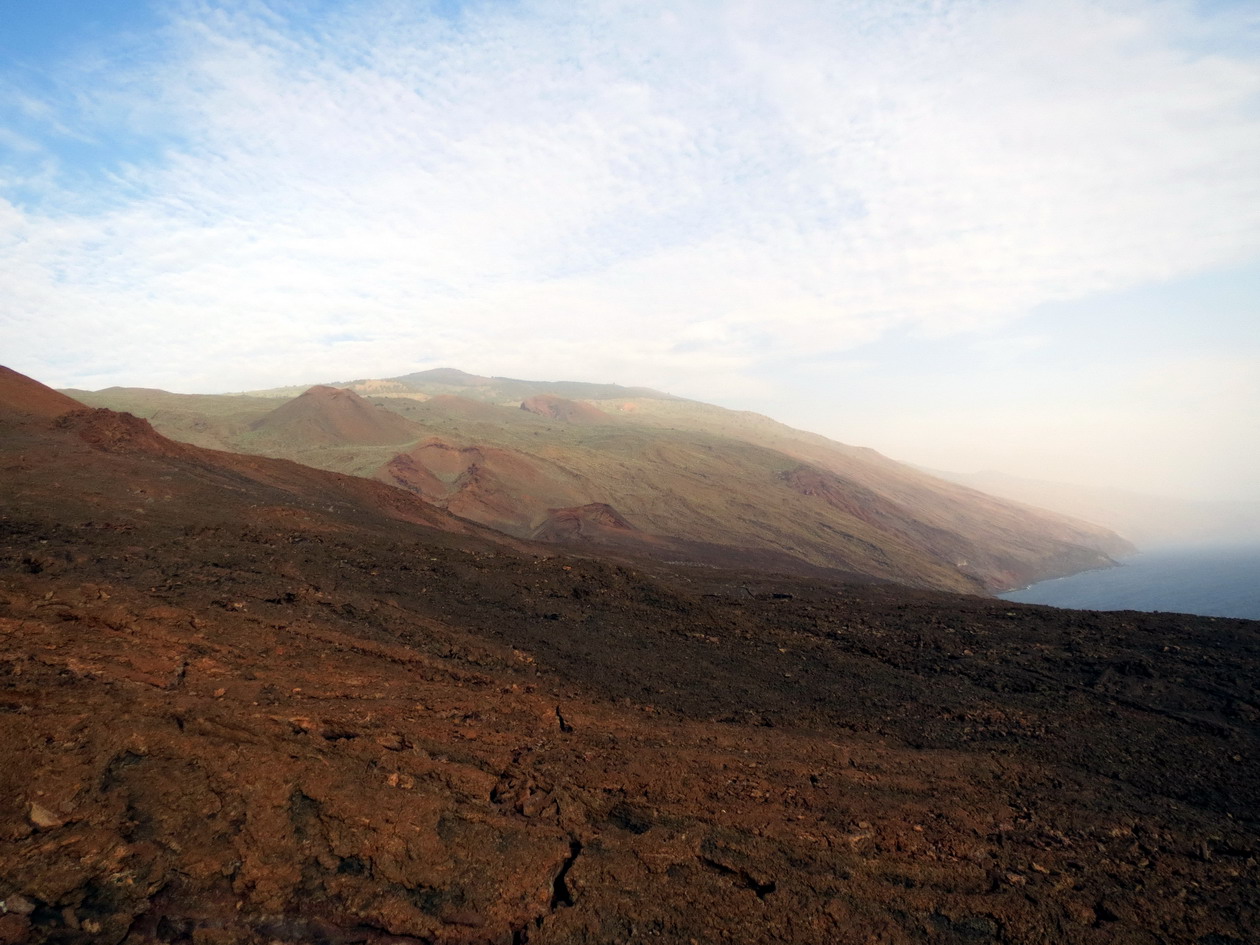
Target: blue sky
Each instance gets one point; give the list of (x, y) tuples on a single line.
[(1019, 235), (39, 34)]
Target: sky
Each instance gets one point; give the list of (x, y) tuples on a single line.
[(1017, 235)]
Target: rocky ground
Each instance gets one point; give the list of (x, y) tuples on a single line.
[(246, 702)]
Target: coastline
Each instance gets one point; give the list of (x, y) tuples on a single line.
[(1205, 580), (1116, 562)]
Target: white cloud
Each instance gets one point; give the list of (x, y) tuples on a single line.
[(674, 193)]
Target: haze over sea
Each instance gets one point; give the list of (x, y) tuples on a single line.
[(1215, 581)]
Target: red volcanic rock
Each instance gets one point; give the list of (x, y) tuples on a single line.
[(583, 521), (330, 416), (120, 432), (503, 488), (564, 410), (22, 397)]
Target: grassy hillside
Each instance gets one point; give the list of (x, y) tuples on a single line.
[(690, 481)]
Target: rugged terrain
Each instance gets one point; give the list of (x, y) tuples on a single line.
[(246, 701), (684, 481)]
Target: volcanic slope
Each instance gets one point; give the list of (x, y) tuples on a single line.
[(561, 408), (245, 701), (701, 489), (23, 399), (329, 416), (211, 420)]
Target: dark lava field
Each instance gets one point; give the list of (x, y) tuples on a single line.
[(244, 701)]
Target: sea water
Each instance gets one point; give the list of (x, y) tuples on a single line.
[(1212, 581)]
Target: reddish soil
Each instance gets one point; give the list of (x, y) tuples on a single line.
[(246, 701), (330, 416), (567, 411), (589, 522), (22, 397), (504, 489)]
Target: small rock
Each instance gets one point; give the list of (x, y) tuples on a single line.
[(19, 904), (43, 818), (1079, 912)]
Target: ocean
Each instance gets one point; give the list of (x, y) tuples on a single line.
[(1212, 581)]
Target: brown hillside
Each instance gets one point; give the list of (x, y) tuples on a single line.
[(564, 410), (686, 505), (585, 522), (104, 449), (1072, 548), (504, 489), (329, 416), (246, 701), (1006, 544), (213, 421), (22, 397), (695, 481)]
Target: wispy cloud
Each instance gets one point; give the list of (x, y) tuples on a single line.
[(659, 191)]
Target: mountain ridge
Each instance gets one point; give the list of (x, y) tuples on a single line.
[(477, 387), (693, 480)]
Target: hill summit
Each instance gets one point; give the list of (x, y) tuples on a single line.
[(331, 416)]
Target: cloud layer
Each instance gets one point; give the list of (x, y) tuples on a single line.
[(683, 194)]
